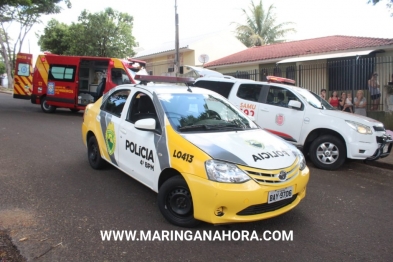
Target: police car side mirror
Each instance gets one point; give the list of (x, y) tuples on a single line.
[(295, 104), (148, 124)]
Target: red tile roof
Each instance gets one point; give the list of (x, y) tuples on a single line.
[(299, 48)]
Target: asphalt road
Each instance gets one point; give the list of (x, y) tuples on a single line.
[(54, 205)]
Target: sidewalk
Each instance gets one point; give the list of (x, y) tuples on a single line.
[(6, 90)]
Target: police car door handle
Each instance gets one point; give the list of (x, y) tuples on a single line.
[(123, 131), (265, 109)]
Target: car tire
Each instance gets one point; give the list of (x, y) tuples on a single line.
[(175, 203), (328, 152), (73, 110), (94, 155), (45, 107)]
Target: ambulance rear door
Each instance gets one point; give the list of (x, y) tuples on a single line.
[(62, 81), (23, 78)]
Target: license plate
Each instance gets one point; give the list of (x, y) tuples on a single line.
[(281, 194)]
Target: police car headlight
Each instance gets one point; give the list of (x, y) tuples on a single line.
[(360, 128), (224, 172), (302, 160)]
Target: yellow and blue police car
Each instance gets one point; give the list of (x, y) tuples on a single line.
[(205, 158)]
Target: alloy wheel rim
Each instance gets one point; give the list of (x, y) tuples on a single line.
[(327, 153)]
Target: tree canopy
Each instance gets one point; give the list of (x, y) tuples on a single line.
[(105, 34), (25, 13), (389, 4), (261, 26)]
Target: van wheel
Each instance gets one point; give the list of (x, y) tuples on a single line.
[(94, 155), (73, 110), (45, 107), (328, 152), (175, 202)]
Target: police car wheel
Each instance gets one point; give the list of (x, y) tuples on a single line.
[(175, 203), (45, 107), (328, 152), (93, 154)]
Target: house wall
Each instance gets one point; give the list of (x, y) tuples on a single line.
[(188, 58), (236, 68), (159, 65)]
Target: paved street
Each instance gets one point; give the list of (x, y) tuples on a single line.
[(50, 196)]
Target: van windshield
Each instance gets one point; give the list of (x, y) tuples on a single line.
[(133, 72), (203, 112), (313, 99)]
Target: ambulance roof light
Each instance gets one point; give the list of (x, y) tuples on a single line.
[(166, 79), (280, 80)]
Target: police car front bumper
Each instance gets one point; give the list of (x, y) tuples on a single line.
[(220, 203)]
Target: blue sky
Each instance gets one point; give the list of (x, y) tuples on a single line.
[(154, 20)]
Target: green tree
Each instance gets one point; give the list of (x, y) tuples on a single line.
[(104, 34), (56, 38), (2, 68), (389, 4), (25, 13), (261, 26)]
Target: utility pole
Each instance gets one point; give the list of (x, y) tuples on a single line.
[(176, 63)]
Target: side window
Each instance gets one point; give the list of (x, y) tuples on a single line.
[(278, 96), (23, 69), (115, 102), (119, 76), (249, 92), (62, 73), (222, 88), (142, 107)]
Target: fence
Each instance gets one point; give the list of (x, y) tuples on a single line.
[(341, 75)]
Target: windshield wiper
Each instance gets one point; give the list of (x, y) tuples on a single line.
[(193, 127), (212, 127)]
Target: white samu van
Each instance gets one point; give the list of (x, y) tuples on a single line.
[(301, 117)]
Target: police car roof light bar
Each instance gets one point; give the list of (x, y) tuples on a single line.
[(166, 79), (280, 80)]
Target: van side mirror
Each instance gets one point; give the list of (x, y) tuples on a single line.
[(294, 104), (181, 70)]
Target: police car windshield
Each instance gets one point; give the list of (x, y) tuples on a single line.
[(310, 97), (202, 112)]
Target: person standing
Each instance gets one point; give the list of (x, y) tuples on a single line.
[(333, 100), (343, 106), (323, 94), (348, 102), (375, 93), (360, 103)]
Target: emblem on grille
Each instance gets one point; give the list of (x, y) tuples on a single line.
[(255, 143), (282, 175)]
